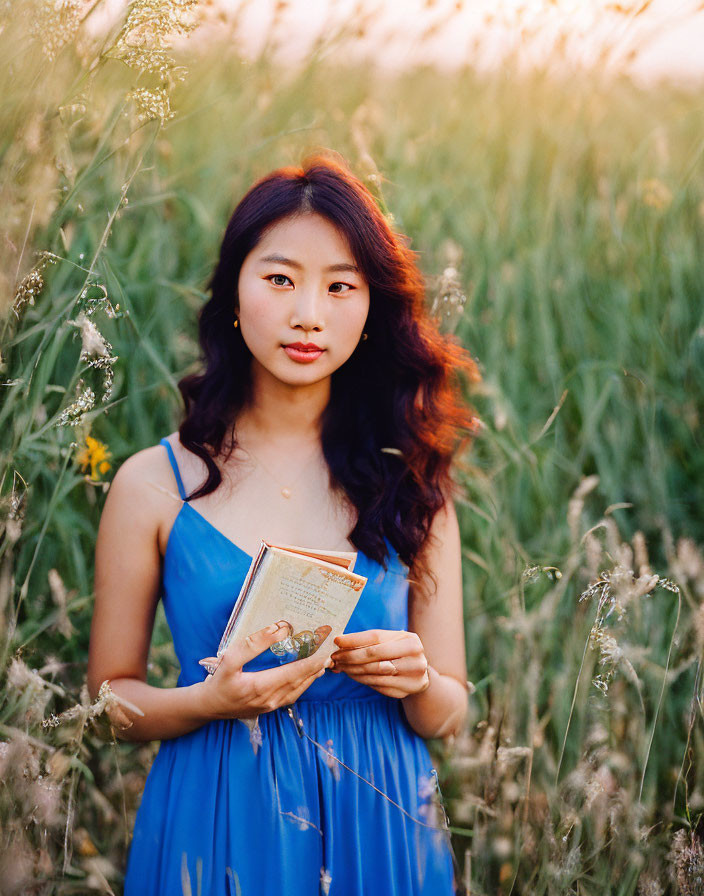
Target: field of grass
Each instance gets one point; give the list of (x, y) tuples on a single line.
[(571, 207)]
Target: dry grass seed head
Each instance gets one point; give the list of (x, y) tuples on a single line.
[(687, 858), (575, 506)]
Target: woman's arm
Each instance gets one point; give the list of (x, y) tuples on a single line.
[(127, 581), (127, 584), (435, 615), (424, 666)]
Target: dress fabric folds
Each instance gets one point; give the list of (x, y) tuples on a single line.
[(229, 812)]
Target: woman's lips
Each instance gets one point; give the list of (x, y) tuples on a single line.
[(303, 355)]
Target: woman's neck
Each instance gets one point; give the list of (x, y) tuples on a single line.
[(279, 412)]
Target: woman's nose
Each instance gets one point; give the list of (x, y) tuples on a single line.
[(308, 310)]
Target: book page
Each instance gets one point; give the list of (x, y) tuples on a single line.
[(307, 594), (347, 559)]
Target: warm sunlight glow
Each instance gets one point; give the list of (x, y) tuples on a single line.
[(649, 37)]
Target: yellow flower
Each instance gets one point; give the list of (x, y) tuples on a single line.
[(95, 456)]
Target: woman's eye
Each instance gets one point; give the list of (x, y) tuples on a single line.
[(279, 279), (343, 287)]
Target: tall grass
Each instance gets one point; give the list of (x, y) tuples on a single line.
[(572, 207)]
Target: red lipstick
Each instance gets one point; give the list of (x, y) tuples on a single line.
[(303, 352)]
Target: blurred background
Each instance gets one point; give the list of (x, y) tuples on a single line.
[(544, 159)]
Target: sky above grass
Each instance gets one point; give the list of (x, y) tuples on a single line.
[(662, 38), (651, 39)]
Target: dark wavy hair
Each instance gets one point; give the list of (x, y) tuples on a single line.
[(395, 418)]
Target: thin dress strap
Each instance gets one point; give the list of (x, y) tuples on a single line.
[(172, 458)]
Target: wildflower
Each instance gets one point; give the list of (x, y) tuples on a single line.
[(30, 286), (255, 738), (32, 283), (152, 104), (95, 349), (35, 691), (325, 881), (142, 44), (60, 595), (107, 702), (93, 303), (531, 573), (331, 760), (655, 194), (74, 414), (94, 455), (302, 816), (94, 344), (148, 30), (255, 733), (449, 299), (55, 24), (426, 787)]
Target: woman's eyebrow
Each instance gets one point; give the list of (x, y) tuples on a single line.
[(343, 266), (281, 259), (275, 258)]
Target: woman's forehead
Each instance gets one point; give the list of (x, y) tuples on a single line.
[(307, 237)]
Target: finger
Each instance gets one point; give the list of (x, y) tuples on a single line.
[(288, 692), (242, 651), (404, 665), (292, 674), (410, 684), (402, 684), (366, 638), (321, 633), (379, 667), (289, 696), (389, 650)]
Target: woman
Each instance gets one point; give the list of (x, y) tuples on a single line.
[(327, 415)]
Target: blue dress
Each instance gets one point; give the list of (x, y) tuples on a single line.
[(226, 811)]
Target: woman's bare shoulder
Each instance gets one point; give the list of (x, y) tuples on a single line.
[(146, 481), (146, 469)]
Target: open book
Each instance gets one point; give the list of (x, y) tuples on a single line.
[(314, 591)]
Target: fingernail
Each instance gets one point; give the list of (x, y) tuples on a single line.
[(270, 629)]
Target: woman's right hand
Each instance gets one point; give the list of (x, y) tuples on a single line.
[(230, 693)]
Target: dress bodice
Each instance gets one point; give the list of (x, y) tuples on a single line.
[(203, 572)]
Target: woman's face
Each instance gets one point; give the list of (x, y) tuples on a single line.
[(300, 286)]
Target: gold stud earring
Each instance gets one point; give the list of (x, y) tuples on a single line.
[(235, 323), (365, 336)]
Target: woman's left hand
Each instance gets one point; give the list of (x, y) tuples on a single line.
[(391, 662)]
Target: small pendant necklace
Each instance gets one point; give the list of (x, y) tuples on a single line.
[(286, 490)]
